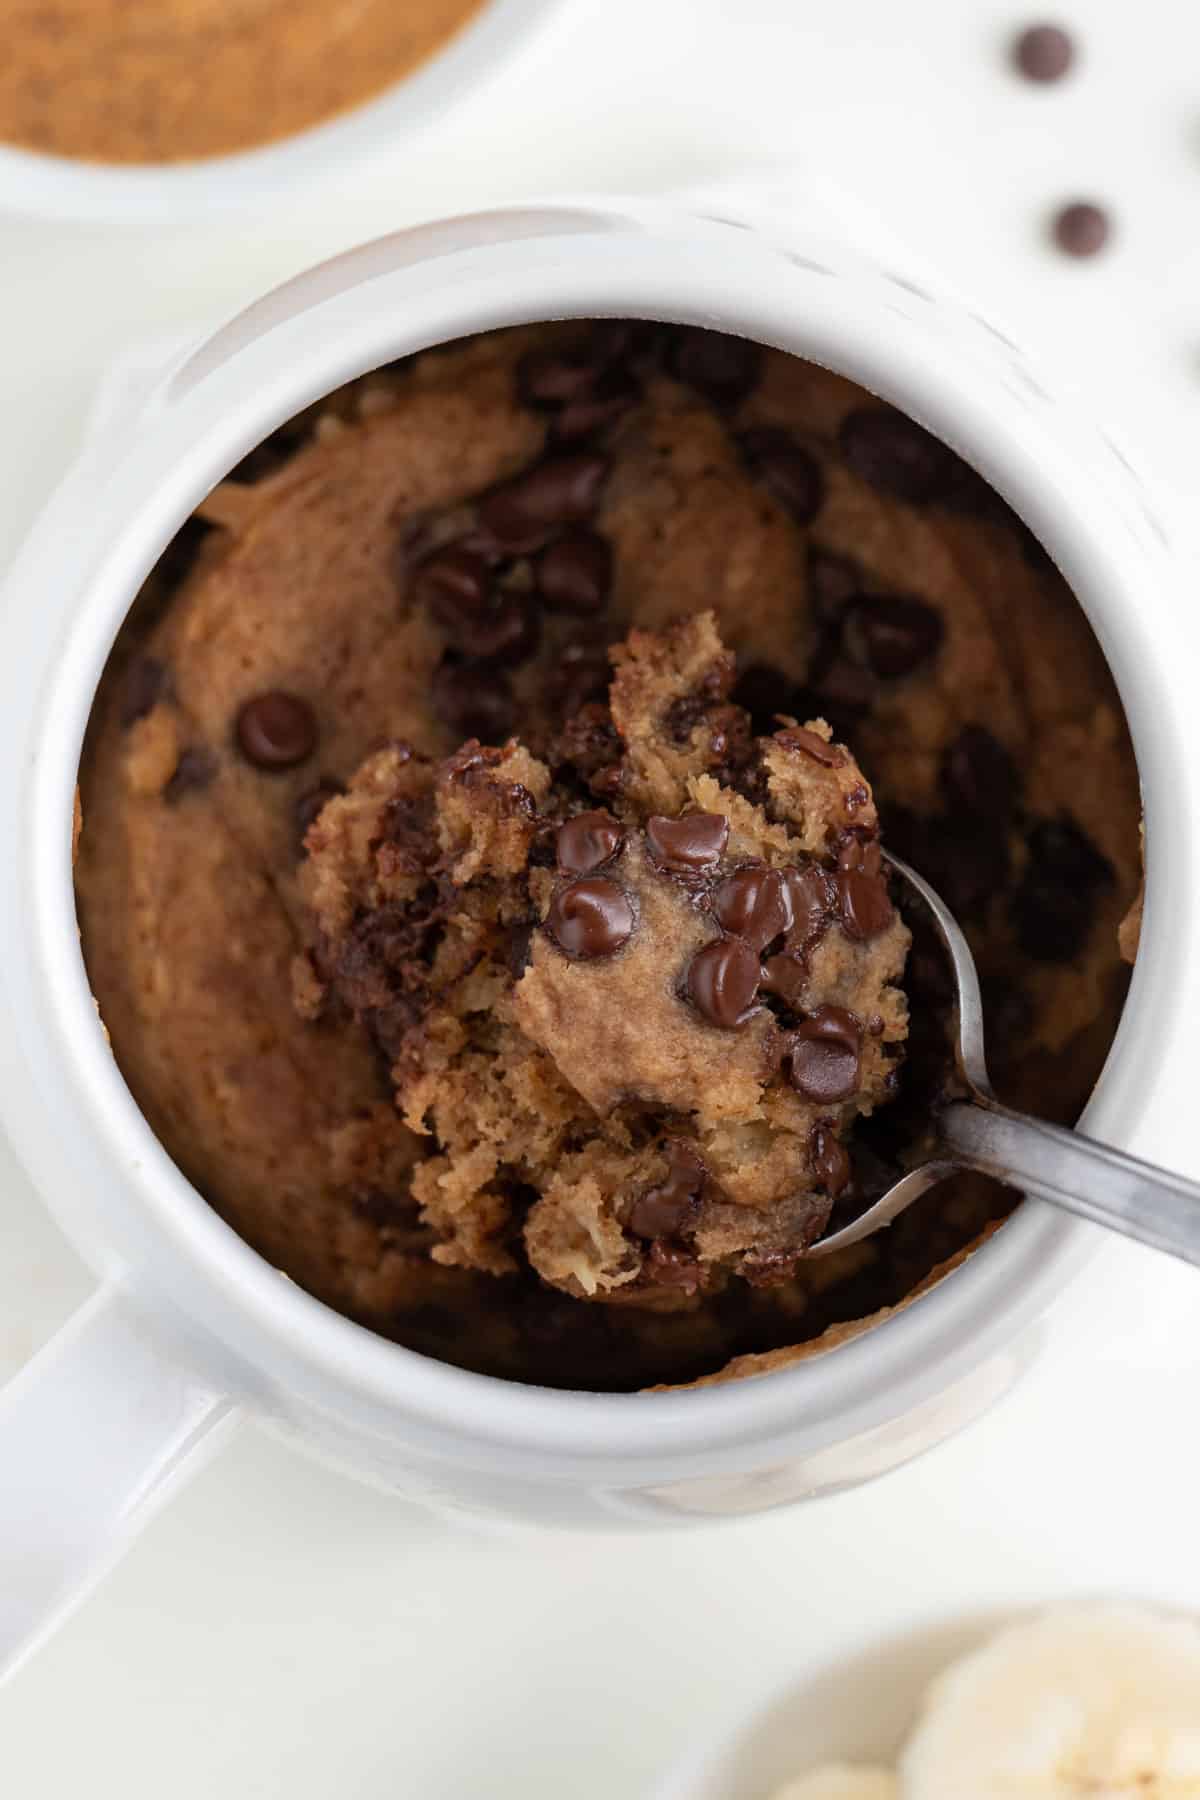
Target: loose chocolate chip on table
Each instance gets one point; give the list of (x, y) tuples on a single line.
[(754, 904), (824, 1055), (310, 805), (144, 686), (587, 842), (562, 489), (722, 368), (668, 1210), (828, 1159), (1043, 52), (792, 475), (896, 634), (194, 770), (722, 982), (589, 918), (692, 842), (1082, 228), (473, 700), (979, 775), (894, 454), (812, 744), (574, 573), (276, 730)]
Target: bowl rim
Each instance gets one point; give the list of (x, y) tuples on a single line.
[(1007, 1281)]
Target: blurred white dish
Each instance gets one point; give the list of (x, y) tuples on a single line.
[(61, 187)]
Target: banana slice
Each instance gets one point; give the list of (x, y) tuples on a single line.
[(838, 1781), (1097, 1701)]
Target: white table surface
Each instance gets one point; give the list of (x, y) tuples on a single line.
[(280, 1631)]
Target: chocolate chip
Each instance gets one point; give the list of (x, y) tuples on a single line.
[(896, 634), (765, 694), (893, 453), (310, 805), (518, 949), (815, 900), (614, 393), (812, 744), (1082, 228), (832, 580), (668, 1210), (979, 775), (1055, 904), (551, 378), (824, 1055), (827, 1158), (694, 841), (722, 368), (792, 475), (668, 1267), (276, 730), (1043, 52), (473, 700), (144, 685), (480, 619), (862, 891), (589, 918), (786, 976), (587, 842), (722, 982), (194, 770), (563, 489), (574, 573), (754, 904)]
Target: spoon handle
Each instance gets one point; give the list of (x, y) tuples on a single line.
[(1109, 1188)]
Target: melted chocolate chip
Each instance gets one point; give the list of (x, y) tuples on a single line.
[(827, 1158), (587, 842), (811, 743), (722, 368), (722, 982), (791, 474), (480, 619), (815, 901), (894, 454), (473, 700), (862, 891), (194, 770), (563, 489), (574, 573), (786, 976), (590, 918), (896, 634), (824, 1055), (144, 686), (276, 730), (669, 1210), (754, 904), (668, 1267), (978, 774), (688, 844)]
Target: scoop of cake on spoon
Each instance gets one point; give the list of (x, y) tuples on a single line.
[(972, 1129)]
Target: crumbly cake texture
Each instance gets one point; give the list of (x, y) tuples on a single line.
[(448, 550), (634, 1036)]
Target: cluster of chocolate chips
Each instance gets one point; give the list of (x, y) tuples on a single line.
[(770, 920)]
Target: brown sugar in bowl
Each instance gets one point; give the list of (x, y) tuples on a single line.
[(135, 106)]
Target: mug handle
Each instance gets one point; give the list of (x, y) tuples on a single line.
[(95, 1432)]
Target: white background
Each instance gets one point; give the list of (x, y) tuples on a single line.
[(281, 1632)]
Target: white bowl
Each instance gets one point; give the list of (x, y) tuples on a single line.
[(67, 188)]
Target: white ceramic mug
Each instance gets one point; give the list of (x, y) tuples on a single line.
[(190, 1327)]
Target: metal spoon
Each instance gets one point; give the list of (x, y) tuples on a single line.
[(977, 1132)]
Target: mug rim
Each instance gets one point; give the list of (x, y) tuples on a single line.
[(927, 382)]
